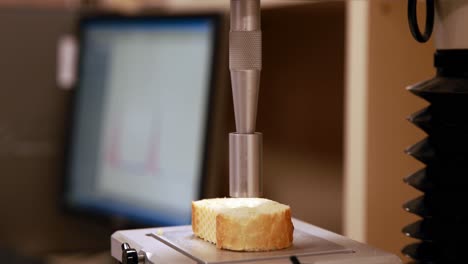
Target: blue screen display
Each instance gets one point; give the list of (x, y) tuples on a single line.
[(140, 118)]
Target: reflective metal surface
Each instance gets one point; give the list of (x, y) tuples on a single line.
[(245, 165)]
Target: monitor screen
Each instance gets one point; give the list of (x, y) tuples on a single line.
[(140, 117)]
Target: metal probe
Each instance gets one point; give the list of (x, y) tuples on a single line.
[(245, 63)]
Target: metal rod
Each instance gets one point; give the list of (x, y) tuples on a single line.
[(245, 63)]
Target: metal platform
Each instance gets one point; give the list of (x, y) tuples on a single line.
[(201, 251), (311, 245)]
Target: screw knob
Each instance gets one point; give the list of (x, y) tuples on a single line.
[(129, 255)]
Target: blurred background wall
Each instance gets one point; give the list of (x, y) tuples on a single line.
[(33, 122), (396, 61), (382, 60), (301, 110)]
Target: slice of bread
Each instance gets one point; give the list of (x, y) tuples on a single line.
[(243, 224)]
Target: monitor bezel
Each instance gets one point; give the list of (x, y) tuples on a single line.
[(124, 220)]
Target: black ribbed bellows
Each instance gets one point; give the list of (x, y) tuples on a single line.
[(443, 207)]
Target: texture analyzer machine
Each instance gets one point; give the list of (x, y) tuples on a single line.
[(178, 244)]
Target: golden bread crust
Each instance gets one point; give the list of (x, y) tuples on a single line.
[(194, 218), (265, 232)]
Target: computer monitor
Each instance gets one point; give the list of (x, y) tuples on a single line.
[(140, 116)]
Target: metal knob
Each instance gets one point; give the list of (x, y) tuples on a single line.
[(130, 255)]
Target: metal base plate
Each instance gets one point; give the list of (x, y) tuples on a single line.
[(183, 240)]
